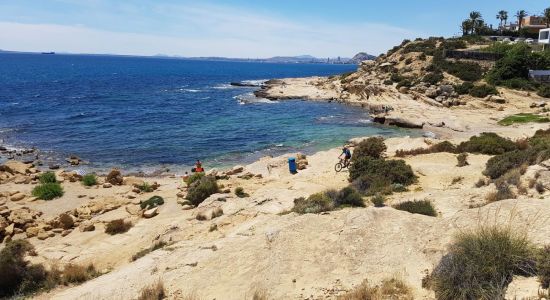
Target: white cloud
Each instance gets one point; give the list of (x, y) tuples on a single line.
[(208, 31)]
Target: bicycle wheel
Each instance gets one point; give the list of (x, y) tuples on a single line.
[(338, 167)]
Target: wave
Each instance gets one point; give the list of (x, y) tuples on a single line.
[(250, 98), (191, 90), (224, 86), (257, 82)]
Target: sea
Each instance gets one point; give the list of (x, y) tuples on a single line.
[(145, 113)]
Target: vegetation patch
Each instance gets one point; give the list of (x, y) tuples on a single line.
[(328, 200), (389, 289), (73, 273), (118, 226), (146, 187), (152, 202), (544, 91), (523, 118), (371, 175), (487, 143), (48, 191), (201, 188), (543, 266), (378, 200), (48, 177), (155, 291), (422, 207), (462, 160), (444, 146), (481, 263), (154, 247), (482, 91), (89, 180), (239, 192)]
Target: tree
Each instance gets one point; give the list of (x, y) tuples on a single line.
[(546, 16), (503, 17), (477, 21), (467, 27), (521, 14)]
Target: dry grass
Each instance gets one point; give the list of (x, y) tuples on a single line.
[(456, 180), (217, 212), (155, 246), (118, 226), (389, 289), (154, 291), (73, 273), (257, 293)]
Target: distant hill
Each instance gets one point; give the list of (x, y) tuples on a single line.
[(361, 56)]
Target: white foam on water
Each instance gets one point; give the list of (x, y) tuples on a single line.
[(191, 90), (250, 98)]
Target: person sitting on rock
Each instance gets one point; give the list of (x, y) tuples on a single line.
[(347, 155), (198, 167)]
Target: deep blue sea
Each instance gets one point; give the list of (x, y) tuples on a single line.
[(136, 112)]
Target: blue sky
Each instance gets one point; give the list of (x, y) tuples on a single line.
[(235, 28)]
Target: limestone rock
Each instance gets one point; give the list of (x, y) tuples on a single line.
[(150, 213), (9, 230), (17, 197), (66, 232), (187, 207), (235, 170), (17, 167), (22, 216), (32, 231), (133, 181), (42, 235), (544, 179), (133, 210), (107, 185), (67, 222), (403, 90), (86, 226)]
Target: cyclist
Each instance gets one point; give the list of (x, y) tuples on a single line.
[(347, 155)]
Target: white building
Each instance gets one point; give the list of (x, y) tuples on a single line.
[(544, 36)]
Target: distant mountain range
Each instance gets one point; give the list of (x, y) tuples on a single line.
[(302, 59)]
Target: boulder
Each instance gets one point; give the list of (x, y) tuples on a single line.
[(403, 90), (42, 235), (22, 216), (32, 231), (495, 99), (431, 92), (544, 179), (538, 104), (235, 170), (86, 226), (22, 179), (187, 207), (66, 232), (150, 213), (17, 197), (115, 177), (107, 185), (16, 167), (3, 224), (133, 210), (133, 181)]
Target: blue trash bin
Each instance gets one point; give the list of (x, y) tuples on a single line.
[(292, 165)]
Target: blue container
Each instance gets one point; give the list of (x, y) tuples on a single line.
[(292, 165)]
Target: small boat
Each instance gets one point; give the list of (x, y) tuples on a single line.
[(48, 52)]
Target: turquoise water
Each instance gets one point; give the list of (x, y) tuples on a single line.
[(134, 112)]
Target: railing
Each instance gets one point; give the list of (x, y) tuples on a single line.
[(476, 55)]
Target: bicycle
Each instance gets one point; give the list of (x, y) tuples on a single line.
[(342, 164)]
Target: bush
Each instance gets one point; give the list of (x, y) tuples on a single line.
[(202, 188), (487, 143), (17, 276), (499, 165), (462, 159), (523, 118), (466, 71), (48, 177), (145, 187), (378, 200), (194, 177), (314, 204), (433, 78), (543, 266), (48, 191), (89, 180), (154, 247), (408, 61), (544, 91), (444, 146), (118, 226), (239, 192), (347, 196), (481, 263), (422, 207), (372, 147), (152, 202), (396, 171), (388, 82), (73, 273), (503, 192), (482, 91), (388, 289), (154, 291), (406, 83), (464, 88)]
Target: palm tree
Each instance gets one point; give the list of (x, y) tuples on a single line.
[(521, 14), (546, 16), (467, 26), (476, 20), (503, 17)]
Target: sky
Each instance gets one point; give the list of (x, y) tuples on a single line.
[(236, 28)]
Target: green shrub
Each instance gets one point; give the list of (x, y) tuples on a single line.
[(543, 266), (89, 180), (314, 204), (17, 276), (519, 84), (372, 147), (444, 146), (118, 226), (48, 177), (145, 187), (481, 263), (201, 189), (378, 200), (152, 202), (396, 77), (348, 196), (422, 207), (482, 91), (427, 47), (239, 192), (466, 71), (388, 82), (48, 191), (73, 273), (433, 78), (194, 177), (499, 165), (544, 91), (464, 88), (487, 143), (373, 184), (408, 61), (396, 171)]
